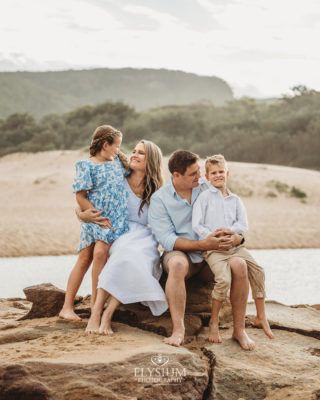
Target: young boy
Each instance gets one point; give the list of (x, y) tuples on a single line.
[(218, 208)]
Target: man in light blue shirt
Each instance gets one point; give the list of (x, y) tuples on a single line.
[(170, 217)]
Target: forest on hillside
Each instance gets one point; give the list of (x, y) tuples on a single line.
[(286, 132), (40, 93)]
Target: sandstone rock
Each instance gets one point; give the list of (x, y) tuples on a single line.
[(305, 320), (286, 367), (46, 299)]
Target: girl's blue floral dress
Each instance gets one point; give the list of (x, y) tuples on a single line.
[(106, 192)]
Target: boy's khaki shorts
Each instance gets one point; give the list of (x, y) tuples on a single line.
[(219, 263)]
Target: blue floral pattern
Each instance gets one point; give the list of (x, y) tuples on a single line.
[(104, 184)]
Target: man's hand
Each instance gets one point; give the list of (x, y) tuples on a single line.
[(95, 216)]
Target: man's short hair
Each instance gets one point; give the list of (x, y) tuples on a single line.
[(216, 159), (180, 160)]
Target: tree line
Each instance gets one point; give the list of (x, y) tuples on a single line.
[(286, 132)]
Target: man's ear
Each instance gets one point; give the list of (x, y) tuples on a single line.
[(176, 174)]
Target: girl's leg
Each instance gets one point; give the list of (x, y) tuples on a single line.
[(261, 318), (100, 256), (75, 278), (94, 320), (105, 327), (214, 335)]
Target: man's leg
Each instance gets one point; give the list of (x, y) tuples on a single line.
[(239, 297), (177, 268)]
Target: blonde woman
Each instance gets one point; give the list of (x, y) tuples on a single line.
[(133, 269)]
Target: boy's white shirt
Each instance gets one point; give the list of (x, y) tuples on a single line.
[(212, 211)]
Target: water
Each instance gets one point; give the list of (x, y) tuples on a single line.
[(292, 276)]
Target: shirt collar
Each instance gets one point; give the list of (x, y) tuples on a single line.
[(215, 190), (195, 191)]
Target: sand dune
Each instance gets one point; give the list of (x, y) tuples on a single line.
[(37, 204)]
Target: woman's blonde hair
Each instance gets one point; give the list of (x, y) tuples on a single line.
[(106, 133), (153, 179)]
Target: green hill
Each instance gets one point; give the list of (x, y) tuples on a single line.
[(41, 93)]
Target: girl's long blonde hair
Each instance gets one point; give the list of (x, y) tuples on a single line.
[(153, 179), (106, 133)]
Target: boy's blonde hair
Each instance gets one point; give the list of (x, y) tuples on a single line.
[(216, 159)]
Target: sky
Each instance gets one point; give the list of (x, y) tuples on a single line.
[(262, 48)]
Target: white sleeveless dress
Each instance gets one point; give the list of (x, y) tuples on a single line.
[(133, 269)]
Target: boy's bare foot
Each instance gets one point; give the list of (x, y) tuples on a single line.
[(69, 315), (93, 324), (243, 339), (105, 326), (264, 324), (214, 335), (176, 339)]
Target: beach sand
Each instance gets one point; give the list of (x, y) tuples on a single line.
[(37, 204)]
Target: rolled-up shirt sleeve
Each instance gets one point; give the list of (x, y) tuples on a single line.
[(161, 224), (198, 217), (241, 224)]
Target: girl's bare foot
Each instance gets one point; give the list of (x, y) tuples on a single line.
[(69, 315), (243, 339), (264, 324), (93, 324), (214, 335)]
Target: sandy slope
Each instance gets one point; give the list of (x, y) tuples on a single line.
[(37, 204)]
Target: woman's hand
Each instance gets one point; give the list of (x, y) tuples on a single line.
[(95, 216)]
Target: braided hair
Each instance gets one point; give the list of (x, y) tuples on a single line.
[(106, 133)]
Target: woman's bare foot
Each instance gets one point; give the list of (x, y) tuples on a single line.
[(243, 339), (264, 324), (176, 339), (214, 335), (93, 324), (105, 326), (69, 315)]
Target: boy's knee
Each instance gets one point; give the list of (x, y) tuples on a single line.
[(238, 267)]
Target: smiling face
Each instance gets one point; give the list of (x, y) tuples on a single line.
[(138, 157), (190, 178), (217, 175), (112, 150)]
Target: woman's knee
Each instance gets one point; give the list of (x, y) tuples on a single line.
[(238, 267)]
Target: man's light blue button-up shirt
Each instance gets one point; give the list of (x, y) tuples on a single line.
[(170, 217)]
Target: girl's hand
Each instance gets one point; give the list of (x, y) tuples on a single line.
[(95, 216)]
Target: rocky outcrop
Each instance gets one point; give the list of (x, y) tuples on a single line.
[(50, 358)]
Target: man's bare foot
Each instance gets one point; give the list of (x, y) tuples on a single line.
[(105, 326), (214, 335), (176, 339), (93, 324), (69, 315), (243, 339), (264, 324)]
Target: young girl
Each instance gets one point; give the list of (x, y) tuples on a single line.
[(98, 184)]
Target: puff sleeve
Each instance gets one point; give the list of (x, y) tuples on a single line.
[(83, 179)]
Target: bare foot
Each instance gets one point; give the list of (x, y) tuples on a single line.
[(69, 315), (176, 339), (214, 335), (243, 339), (264, 324), (93, 324), (105, 326)]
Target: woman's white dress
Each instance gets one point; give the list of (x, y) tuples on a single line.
[(133, 269)]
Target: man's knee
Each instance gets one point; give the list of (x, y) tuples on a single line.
[(178, 267), (238, 267)]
